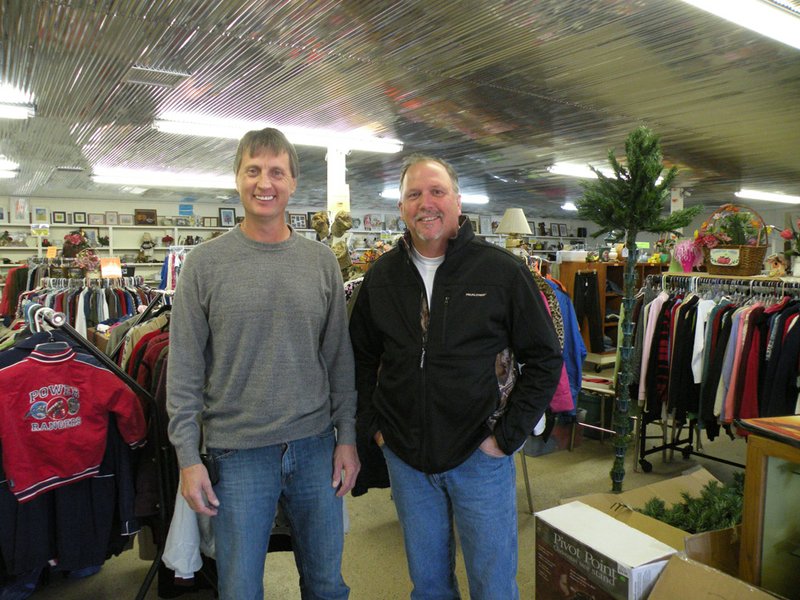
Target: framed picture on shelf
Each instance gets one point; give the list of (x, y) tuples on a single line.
[(2, 214), (18, 211), (92, 235), (210, 222), (79, 218), (562, 229), (541, 228), (40, 215), (554, 229), (485, 224), (96, 219), (474, 222), (227, 217), (182, 221), (298, 221), (59, 217), (112, 217), (145, 216), (126, 219)]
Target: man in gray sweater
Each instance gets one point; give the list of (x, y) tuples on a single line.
[(260, 358)]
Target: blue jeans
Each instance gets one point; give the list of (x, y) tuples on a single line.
[(251, 483), (479, 496)]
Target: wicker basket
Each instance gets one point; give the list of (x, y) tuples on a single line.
[(738, 261)]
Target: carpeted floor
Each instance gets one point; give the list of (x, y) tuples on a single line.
[(374, 561)]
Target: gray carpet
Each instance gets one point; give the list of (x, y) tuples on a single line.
[(374, 562)]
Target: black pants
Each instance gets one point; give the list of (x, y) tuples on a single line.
[(587, 305)]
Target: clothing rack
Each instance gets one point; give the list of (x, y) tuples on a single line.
[(693, 282), (58, 321)]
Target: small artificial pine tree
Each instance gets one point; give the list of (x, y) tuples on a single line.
[(627, 204), (718, 507)]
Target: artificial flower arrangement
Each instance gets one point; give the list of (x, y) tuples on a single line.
[(74, 242), (790, 234), (688, 254), (87, 260), (730, 225)]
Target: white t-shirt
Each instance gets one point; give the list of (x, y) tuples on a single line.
[(427, 269)]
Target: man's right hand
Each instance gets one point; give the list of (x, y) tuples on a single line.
[(379, 439), (196, 489)]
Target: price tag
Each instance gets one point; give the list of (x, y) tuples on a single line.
[(52, 252), (110, 268)]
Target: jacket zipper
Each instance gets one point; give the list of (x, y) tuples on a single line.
[(444, 321)]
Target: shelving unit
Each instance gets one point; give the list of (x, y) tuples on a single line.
[(123, 239), (609, 280)]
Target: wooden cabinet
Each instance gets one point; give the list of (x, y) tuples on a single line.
[(770, 550), (609, 287)]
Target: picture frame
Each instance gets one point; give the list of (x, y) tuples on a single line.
[(485, 225), (96, 219), (79, 218), (227, 217), (92, 235), (182, 221), (239, 219), (541, 228), (562, 229), (126, 219), (210, 222), (112, 217), (372, 222), (145, 216), (40, 215), (474, 222), (298, 221), (554, 229), (2, 214), (18, 211), (59, 217)]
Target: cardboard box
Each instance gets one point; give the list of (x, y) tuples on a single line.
[(718, 549), (686, 578), (582, 552)]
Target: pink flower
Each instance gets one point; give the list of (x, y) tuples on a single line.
[(787, 234)]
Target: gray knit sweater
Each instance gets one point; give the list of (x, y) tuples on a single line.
[(259, 347)]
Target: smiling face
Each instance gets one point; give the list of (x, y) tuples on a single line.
[(430, 207), (265, 183)]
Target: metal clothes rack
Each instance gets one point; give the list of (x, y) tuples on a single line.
[(163, 450), (691, 444)]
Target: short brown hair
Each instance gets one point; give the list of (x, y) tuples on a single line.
[(416, 158), (270, 139)]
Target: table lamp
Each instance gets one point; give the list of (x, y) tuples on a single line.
[(513, 224)]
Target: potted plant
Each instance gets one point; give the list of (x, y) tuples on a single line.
[(632, 201)]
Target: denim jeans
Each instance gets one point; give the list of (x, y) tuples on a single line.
[(251, 483), (479, 497)]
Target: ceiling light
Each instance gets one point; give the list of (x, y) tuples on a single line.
[(576, 170), (762, 17), (7, 165), (205, 126), (569, 206), (767, 196), (15, 104), (151, 178), (4, 174), (394, 194)]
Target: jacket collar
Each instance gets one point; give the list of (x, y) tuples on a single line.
[(463, 236)]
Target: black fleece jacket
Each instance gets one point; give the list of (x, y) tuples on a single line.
[(433, 393)]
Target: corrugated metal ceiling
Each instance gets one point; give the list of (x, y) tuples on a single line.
[(501, 88)]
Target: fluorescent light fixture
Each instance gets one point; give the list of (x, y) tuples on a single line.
[(767, 196), (15, 104), (8, 174), (394, 194), (205, 126), (569, 206), (152, 178), (576, 170), (7, 165), (779, 24)]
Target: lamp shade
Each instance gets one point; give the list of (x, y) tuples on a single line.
[(514, 222)]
